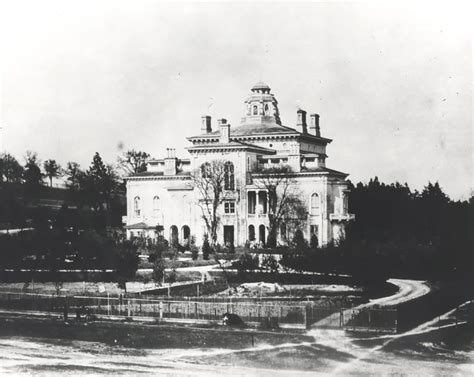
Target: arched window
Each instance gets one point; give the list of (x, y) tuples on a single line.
[(314, 210), (251, 233), (156, 205), (255, 110), (266, 108), (206, 170), (136, 206), (229, 176)]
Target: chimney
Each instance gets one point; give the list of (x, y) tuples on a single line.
[(301, 121), (206, 124), (170, 162), (225, 131), (314, 125)]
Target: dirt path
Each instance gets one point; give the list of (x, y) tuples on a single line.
[(409, 290)]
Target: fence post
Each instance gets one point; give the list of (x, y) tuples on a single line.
[(306, 317), (108, 303), (161, 309)]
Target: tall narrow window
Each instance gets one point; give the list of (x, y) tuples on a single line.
[(255, 110), (251, 202), (156, 205), (251, 233), (229, 176), (314, 205), (136, 206), (262, 202)]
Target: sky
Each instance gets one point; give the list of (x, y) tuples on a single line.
[(392, 81)]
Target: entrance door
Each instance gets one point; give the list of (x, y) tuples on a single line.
[(228, 235)]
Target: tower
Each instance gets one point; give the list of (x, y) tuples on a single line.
[(261, 106)]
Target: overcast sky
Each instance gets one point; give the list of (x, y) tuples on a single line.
[(392, 82)]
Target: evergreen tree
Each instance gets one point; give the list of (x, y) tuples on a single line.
[(206, 248)]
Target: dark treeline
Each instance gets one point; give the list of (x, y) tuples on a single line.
[(400, 233), (94, 197), (76, 227)]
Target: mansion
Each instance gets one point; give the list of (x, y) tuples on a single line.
[(166, 196)]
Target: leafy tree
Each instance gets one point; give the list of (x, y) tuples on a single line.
[(210, 182), (132, 162), (74, 176), (91, 248), (127, 262), (284, 203), (52, 169), (10, 169), (32, 173)]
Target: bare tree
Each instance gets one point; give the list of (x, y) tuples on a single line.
[(284, 203), (132, 162), (209, 179)]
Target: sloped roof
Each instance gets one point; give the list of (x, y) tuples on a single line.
[(141, 225), (260, 85), (323, 170)]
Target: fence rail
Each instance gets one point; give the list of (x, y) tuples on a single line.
[(301, 314), (285, 315)]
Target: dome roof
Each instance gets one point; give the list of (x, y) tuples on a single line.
[(260, 85)]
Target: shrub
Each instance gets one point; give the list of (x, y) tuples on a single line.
[(172, 276), (299, 242), (206, 248), (194, 249), (158, 271), (270, 263), (313, 242)]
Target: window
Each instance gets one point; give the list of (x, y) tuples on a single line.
[(136, 206), (266, 108), (251, 233), (229, 176), (156, 204), (229, 207), (206, 170), (255, 110), (314, 211), (252, 202)]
